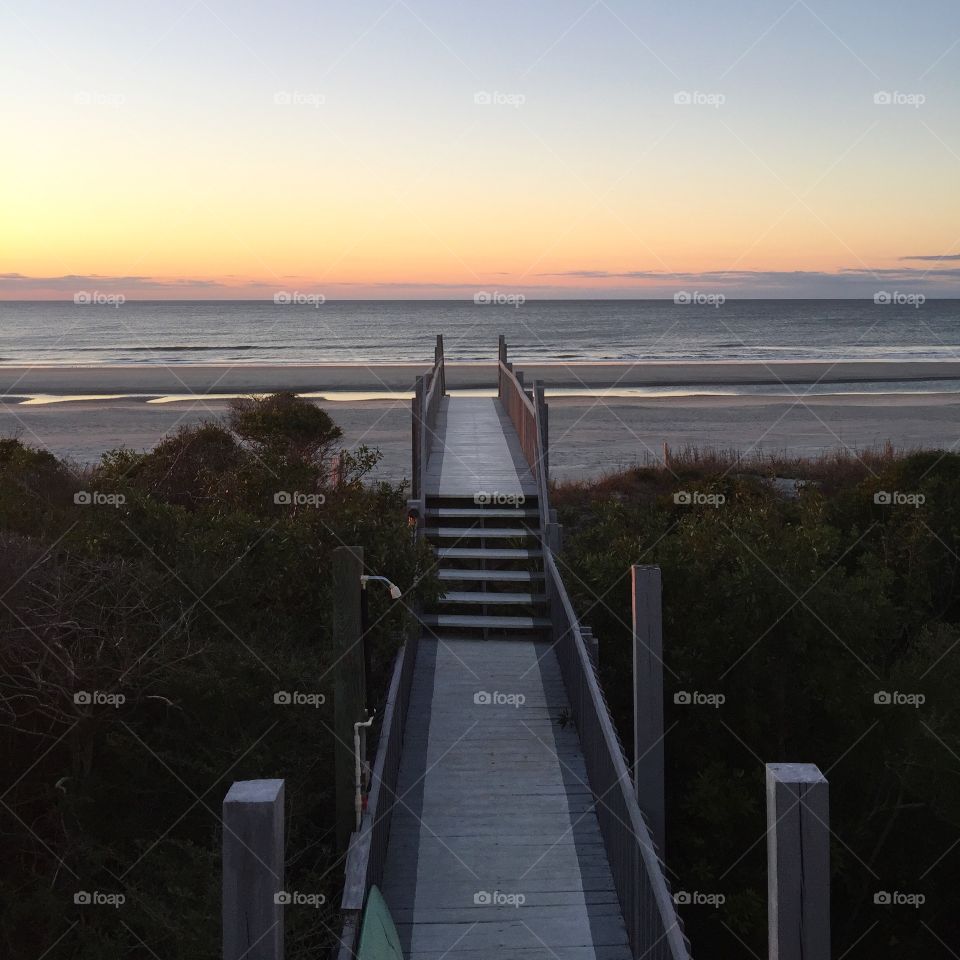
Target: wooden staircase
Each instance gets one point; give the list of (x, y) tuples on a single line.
[(490, 563)]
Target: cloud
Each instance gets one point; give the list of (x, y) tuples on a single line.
[(937, 257), (70, 283), (935, 280), (847, 281), (763, 276)]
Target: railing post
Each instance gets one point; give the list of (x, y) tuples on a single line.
[(417, 466), (349, 681), (253, 870), (424, 454), (502, 348), (541, 404), (798, 862), (438, 363), (648, 776)]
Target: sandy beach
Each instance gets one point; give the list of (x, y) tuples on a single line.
[(589, 436), (80, 411), (200, 378)]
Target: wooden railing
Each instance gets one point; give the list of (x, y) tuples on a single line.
[(367, 852), (528, 414), (653, 925), (428, 392)]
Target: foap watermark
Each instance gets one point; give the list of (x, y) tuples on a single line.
[(495, 98), (299, 98), (482, 498), (688, 298), (93, 98), (286, 498), (699, 98), (98, 698), (94, 298), (495, 298), (95, 498), (296, 898), (698, 898), (898, 498), (895, 298), (484, 698), (897, 98), (296, 698), (97, 898), (695, 698), (697, 498), (498, 898), (294, 298), (897, 898), (896, 698)]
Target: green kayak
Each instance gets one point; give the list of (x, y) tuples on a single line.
[(378, 935)]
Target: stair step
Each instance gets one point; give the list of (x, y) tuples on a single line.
[(487, 553), (483, 513), (477, 620), (513, 576), (477, 596), (491, 533)]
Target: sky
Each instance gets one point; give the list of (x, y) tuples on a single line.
[(435, 148)]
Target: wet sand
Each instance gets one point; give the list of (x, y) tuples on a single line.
[(158, 379)]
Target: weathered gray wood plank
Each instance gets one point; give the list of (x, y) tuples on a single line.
[(475, 450), (648, 699), (798, 862), (494, 804), (253, 870)]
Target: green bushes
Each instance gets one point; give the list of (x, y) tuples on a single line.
[(801, 613), (176, 596)]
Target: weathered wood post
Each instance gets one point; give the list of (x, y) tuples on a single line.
[(648, 779), (416, 464), (349, 691), (798, 862), (253, 870), (543, 417)]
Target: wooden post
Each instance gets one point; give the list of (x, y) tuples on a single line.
[(253, 870), (438, 359), (541, 405), (648, 700), (502, 348), (416, 464), (349, 680), (798, 862)]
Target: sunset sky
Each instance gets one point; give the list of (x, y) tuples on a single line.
[(431, 148)]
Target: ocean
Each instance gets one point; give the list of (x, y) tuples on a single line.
[(237, 332)]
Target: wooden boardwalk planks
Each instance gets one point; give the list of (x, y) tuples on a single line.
[(476, 450), (495, 849)]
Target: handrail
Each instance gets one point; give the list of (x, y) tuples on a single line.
[(528, 415), (654, 928), (367, 852), (428, 392), (653, 925)]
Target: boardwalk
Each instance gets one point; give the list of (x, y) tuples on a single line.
[(495, 849), (496, 808), (475, 450)]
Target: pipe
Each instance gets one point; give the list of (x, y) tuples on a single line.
[(358, 766)]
